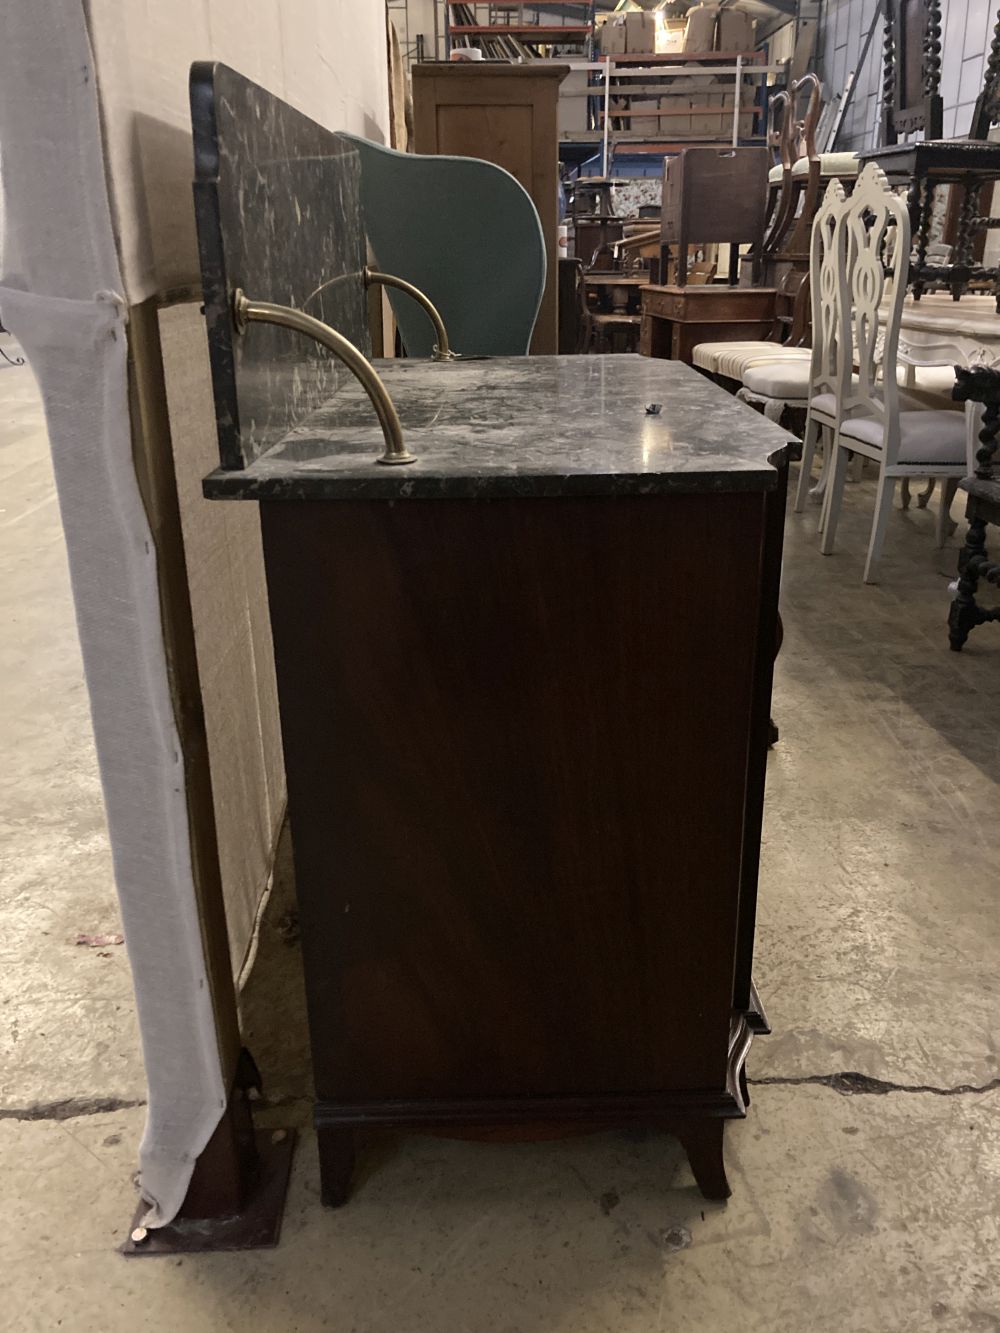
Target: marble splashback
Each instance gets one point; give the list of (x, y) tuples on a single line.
[(277, 203)]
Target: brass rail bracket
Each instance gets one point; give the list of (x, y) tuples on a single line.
[(246, 312), (442, 349)]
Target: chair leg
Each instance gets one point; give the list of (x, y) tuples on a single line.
[(883, 508), (904, 494), (774, 409), (819, 493), (926, 493), (805, 467), (835, 492), (857, 467), (945, 527)]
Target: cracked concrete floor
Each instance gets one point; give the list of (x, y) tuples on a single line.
[(858, 1206)]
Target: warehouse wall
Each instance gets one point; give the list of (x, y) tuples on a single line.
[(328, 59), (967, 31)]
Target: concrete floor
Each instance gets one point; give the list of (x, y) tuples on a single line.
[(861, 1204)]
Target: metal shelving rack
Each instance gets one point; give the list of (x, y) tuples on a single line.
[(612, 76), (516, 29)]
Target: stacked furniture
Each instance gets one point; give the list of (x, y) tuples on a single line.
[(912, 104), (505, 114)]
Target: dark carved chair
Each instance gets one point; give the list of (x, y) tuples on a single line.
[(911, 80)]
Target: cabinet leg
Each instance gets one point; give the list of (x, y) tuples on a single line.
[(336, 1165), (744, 1089), (702, 1140)]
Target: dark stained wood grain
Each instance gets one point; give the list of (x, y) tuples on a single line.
[(517, 736)]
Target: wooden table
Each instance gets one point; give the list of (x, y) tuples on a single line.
[(595, 278), (676, 319), (617, 322), (937, 331)]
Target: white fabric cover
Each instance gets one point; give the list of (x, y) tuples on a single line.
[(775, 174), (830, 164), (71, 137), (780, 379), (734, 365), (61, 295), (706, 355), (927, 437), (824, 404), (731, 359)]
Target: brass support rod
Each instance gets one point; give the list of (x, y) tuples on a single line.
[(442, 350), (245, 311)]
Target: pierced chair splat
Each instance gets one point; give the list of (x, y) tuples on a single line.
[(870, 416)]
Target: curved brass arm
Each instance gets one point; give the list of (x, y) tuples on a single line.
[(442, 351), (245, 311)]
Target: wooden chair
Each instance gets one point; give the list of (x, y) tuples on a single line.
[(779, 176), (811, 173), (798, 145), (694, 182), (472, 243), (864, 411)]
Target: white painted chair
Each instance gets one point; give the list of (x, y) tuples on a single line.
[(863, 412), (827, 257), (775, 385)]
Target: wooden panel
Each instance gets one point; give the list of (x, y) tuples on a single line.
[(710, 302), (517, 788), (505, 114), (507, 129)]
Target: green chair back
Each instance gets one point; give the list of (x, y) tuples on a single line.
[(467, 234)]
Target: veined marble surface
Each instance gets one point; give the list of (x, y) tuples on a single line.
[(278, 208), (522, 426)]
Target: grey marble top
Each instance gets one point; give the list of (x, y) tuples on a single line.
[(522, 426)]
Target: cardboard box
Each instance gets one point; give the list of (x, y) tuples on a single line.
[(678, 124), (710, 28), (613, 36), (708, 120), (572, 111), (736, 31), (640, 34), (700, 30), (645, 119), (670, 37), (746, 114)]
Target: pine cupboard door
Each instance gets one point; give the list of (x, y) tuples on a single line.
[(505, 114)]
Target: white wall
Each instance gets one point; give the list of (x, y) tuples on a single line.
[(967, 32), (325, 57)]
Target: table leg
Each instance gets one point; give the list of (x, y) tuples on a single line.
[(925, 212), (965, 614)]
